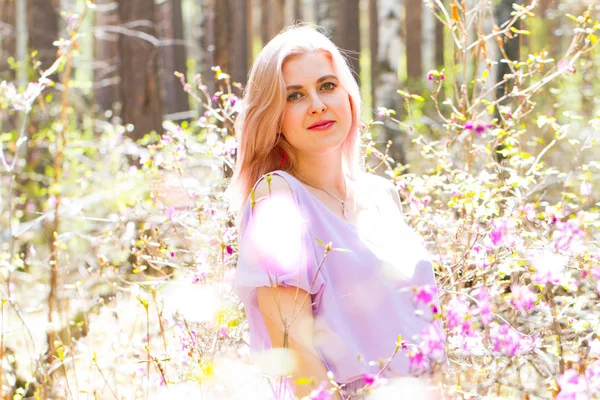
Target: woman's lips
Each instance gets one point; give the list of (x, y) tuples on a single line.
[(322, 127)]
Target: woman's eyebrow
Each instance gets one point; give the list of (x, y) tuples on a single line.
[(321, 79)]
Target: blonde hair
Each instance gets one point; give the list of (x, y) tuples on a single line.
[(257, 127)]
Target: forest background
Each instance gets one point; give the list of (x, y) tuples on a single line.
[(117, 255)]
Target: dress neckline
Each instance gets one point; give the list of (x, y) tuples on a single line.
[(316, 199)]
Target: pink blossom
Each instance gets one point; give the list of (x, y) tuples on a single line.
[(477, 126), (522, 298), (572, 386), (505, 339), (432, 343), (484, 306), (170, 212), (471, 344), (568, 236), (503, 233), (592, 373), (548, 267), (231, 145), (585, 189), (223, 330), (565, 66), (529, 211), (425, 294), (457, 315), (417, 361), (480, 257)]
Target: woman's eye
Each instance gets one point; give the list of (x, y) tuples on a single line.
[(328, 86), (294, 96)]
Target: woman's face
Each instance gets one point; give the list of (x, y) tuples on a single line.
[(318, 115)]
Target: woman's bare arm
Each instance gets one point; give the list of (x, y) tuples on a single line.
[(277, 304), (300, 332)]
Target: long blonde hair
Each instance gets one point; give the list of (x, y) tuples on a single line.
[(257, 127)]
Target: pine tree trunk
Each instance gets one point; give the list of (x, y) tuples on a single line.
[(414, 38), (386, 49), (173, 56), (348, 33), (8, 33), (106, 56), (42, 25), (205, 38), (439, 44), (297, 11), (326, 15), (140, 84)]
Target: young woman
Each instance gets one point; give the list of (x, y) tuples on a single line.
[(326, 262)]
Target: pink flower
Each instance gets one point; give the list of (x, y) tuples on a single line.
[(432, 343), (477, 126), (565, 66), (572, 386), (417, 361), (485, 306), (548, 266), (369, 379), (425, 294), (585, 189), (223, 330), (529, 211), (471, 344), (568, 236), (480, 257), (170, 212), (503, 233), (522, 298), (592, 373), (457, 315), (505, 339)]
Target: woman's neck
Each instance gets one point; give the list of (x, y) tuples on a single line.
[(323, 171)]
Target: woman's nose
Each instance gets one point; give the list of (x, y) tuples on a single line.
[(317, 106)]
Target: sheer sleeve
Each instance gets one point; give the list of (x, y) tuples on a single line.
[(275, 249)]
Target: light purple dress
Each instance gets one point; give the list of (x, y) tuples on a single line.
[(362, 298)]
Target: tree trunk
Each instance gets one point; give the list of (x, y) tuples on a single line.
[(325, 12), (106, 56), (386, 49), (297, 11), (173, 56), (272, 17), (42, 25), (439, 44), (140, 85), (348, 33), (414, 38), (8, 33), (205, 34), (511, 46)]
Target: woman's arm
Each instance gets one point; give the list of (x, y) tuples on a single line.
[(277, 304), (300, 332)]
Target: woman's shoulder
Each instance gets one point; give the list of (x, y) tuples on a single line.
[(374, 181), (381, 184), (272, 183)]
